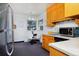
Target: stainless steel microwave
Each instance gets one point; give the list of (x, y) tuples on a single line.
[(69, 31)]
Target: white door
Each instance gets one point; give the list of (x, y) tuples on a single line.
[(20, 33)]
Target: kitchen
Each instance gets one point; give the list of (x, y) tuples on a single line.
[(64, 29), (52, 28)]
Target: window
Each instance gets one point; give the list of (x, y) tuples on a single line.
[(31, 25), (40, 24)]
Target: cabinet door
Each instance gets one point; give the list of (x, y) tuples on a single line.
[(71, 9), (55, 16), (53, 13), (77, 21), (54, 52), (57, 12), (46, 41), (43, 45), (51, 16), (60, 12), (48, 17), (50, 39)]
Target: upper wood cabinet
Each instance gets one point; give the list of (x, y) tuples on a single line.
[(55, 12), (49, 17), (71, 9), (60, 11)]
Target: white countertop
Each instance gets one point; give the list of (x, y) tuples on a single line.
[(61, 36), (69, 47)]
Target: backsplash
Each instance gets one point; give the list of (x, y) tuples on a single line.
[(55, 29), (64, 24), (70, 23)]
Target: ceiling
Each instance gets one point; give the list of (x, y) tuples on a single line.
[(29, 8)]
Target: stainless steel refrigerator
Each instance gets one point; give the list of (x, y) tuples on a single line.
[(6, 30)]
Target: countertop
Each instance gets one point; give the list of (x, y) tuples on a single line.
[(62, 36), (69, 47)]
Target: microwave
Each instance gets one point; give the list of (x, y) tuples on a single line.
[(69, 31)]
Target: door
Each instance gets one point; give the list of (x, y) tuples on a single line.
[(8, 29), (71, 9)]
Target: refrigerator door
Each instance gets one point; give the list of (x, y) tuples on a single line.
[(2, 36), (6, 29)]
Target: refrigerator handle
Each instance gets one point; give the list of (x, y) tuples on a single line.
[(1, 30)]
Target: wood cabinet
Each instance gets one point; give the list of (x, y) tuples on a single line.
[(71, 9), (77, 21), (46, 40), (49, 18), (55, 52), (61, 11), (56, 13)]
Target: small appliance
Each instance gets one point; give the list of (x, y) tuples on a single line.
[(69, 31)]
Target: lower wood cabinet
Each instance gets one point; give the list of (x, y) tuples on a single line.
[(46, 40), (52, 51), (55, 52)]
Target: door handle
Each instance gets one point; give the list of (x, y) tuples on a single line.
[(14, 26)]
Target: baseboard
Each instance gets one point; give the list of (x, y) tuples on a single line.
[(18, 41)]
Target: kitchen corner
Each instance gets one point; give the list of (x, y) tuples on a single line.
[(69, 46), (61, 44)]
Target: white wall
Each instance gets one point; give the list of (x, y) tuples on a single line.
[(40, 32), (20, 20), (20, 33)]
